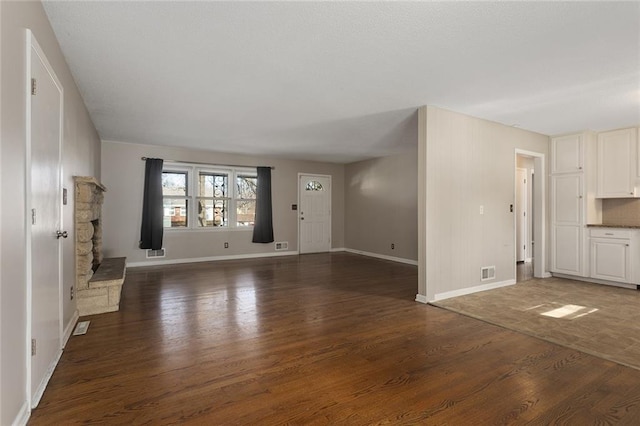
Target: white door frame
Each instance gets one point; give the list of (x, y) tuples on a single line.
[(32, 43), (539, 214), (300, 174), (522, 222)]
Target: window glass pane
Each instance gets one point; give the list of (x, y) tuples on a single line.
[(213, 213), (175, 213), (174, 183), (213, 185), (246, 187), (245, 212), (314, 185)]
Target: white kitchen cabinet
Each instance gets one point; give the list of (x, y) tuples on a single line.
[(566, 253), (567, 154), (566, 204), (567, 212), (573, 202), (617, 164), (611, 254)]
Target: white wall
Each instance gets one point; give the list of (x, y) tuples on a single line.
[(123, 175), (81, 157), (465, 163), (382, 206)]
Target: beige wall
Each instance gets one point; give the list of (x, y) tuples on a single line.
[(123, 175), (81, 157), (382, 206), (467, 162)]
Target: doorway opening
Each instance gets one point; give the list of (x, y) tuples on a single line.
[(529, 260)]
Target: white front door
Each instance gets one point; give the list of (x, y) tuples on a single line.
[(45, 198), (314, 213)]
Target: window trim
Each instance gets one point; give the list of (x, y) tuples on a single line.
[(193, 172)]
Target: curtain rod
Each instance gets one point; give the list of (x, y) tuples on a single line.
[(207, 164)]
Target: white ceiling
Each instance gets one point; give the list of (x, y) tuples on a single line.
[(338, 81)]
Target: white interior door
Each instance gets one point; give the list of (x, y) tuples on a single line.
[(521, 215), (45, 202), (314, 213)]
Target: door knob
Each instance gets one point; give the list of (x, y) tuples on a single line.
[(61, 234)]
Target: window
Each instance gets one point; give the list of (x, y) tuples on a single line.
[(222, 197), (314, 185), (213, 199), (176, 200), (246, 199)]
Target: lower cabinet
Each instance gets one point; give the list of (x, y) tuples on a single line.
[(566, 250), (611, 254)]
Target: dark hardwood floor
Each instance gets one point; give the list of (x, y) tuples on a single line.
[(317, 339)]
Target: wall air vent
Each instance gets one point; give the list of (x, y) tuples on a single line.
[(284, 245), (487, 273), (155, 253)]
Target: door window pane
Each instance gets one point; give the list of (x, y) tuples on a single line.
[(314, 185)]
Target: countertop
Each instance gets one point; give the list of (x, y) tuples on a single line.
[(613, 226)]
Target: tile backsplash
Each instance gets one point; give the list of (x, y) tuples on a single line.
[(621, 211)]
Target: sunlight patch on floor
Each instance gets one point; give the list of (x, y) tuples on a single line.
[(569, 311)]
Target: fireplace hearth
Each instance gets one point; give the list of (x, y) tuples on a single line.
[(98, 291)]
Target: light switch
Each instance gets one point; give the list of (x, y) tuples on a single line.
[(481, 209)]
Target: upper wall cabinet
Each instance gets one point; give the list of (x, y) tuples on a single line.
[(618, 164), (567, 154)]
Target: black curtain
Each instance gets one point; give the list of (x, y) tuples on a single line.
[(263, 227), (152, 211)]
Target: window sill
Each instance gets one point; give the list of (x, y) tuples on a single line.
[(244, 229)]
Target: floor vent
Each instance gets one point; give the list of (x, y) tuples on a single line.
[(155, 253), (81, 328), (282, 245), (487, 273)]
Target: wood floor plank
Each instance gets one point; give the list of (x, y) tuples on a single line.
[(318, 339)]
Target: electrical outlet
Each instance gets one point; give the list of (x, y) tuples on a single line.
[(393, 246), (226, 245), (72, 293)]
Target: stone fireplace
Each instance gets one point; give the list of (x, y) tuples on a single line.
[(98, 280)]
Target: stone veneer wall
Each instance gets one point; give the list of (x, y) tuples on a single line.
[(89, 196)]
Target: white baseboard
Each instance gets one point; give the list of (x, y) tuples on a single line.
[(337, 249), (383, 256), (23, 415), (69, 328), (475, 289), (35, 398), (422, 299), (596, 281), (210, 259)]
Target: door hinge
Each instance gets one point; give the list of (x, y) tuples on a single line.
[(33, 347), (33, 86), (33, 216)]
